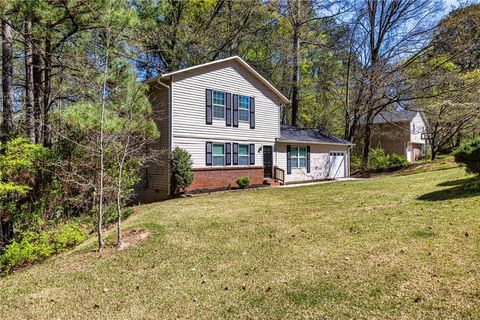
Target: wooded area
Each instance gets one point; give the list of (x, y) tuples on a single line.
[(76, 121)]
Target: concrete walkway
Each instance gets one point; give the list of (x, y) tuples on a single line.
[(291, 185)]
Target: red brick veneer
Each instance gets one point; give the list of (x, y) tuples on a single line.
[(224, 178)]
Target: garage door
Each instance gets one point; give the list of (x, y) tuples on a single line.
[(337, 165)]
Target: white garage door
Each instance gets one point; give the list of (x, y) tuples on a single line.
[(337, 165)]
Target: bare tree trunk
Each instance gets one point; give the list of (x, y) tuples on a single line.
[(7, 79), (101, 242), (37, 90), (119, 205), (46, 92), (347, 96), (295, 75), (29, 101), (366, 142)]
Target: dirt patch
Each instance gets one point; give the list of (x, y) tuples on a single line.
[(133, 236)]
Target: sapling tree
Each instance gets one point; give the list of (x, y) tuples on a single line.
[(134, 130)]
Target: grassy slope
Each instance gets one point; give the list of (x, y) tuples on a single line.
[(386, 248)]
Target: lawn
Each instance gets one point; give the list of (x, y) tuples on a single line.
[(393, 247)]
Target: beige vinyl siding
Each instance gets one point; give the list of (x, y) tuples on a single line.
[(157, 171), (419, 124), (196, 147), (319, 161), (188, 118)]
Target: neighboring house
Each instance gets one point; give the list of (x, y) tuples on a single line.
[(400, 132), (227, 116)]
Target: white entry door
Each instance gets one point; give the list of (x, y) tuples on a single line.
[(337, 165)]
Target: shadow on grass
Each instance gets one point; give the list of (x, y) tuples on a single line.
[(462, 188), (465, 182)]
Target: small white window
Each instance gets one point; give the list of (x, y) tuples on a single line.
[(243, 155), (243, 108), (413, 128), (218, 153), (219, 104), (298, 157)]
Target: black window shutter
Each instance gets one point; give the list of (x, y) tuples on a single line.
[(252, 154), (228, 154), (235, 154), (252, 113), (308, 159), (235, 110), (228, 109), (289, 158), (208, 154), (208, 106)]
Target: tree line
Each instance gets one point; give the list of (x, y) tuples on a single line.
[(76, 121)]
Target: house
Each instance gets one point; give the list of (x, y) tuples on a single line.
[(227, 116), (400, 132)]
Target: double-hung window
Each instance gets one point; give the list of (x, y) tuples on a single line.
[(218, 154), (244, 108), (298, 157), (243, 155), (219, 104)]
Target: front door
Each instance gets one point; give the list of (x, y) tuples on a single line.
[(267, 161)]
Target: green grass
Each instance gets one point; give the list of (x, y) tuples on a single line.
[(393, 247)]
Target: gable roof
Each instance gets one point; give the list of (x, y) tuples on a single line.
[(234, 58), (397, 116), (294, 134)]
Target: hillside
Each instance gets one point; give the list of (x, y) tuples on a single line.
[(391, 247)]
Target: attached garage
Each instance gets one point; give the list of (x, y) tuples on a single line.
[(310, 155)]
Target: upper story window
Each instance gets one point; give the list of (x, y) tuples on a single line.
[(219, 104), (298, 157), (244, 108), (218, 154)]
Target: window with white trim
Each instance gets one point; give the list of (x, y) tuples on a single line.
[(218, 104), (298, 157), (218, 154), (243, 108), (243, 155)]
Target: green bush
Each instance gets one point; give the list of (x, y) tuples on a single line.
[(469, 154), (355, 161), (243, 182), (37, 246), (181, 171), (397, 162), (68, 236), (380, 162)]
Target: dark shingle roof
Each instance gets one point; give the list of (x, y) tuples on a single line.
[(289, 133), (395, 116)]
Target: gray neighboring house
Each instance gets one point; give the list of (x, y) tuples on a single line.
[(227, 116)]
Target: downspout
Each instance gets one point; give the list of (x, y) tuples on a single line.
[(170, 131)]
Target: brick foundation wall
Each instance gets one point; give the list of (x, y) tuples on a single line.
[(223, 178)]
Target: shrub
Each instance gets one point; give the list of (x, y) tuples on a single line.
[(380, 162), (37, 246), (355, 161), (243, 182), (469, 154), (181, 171), (397, 162), (68, 236)]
